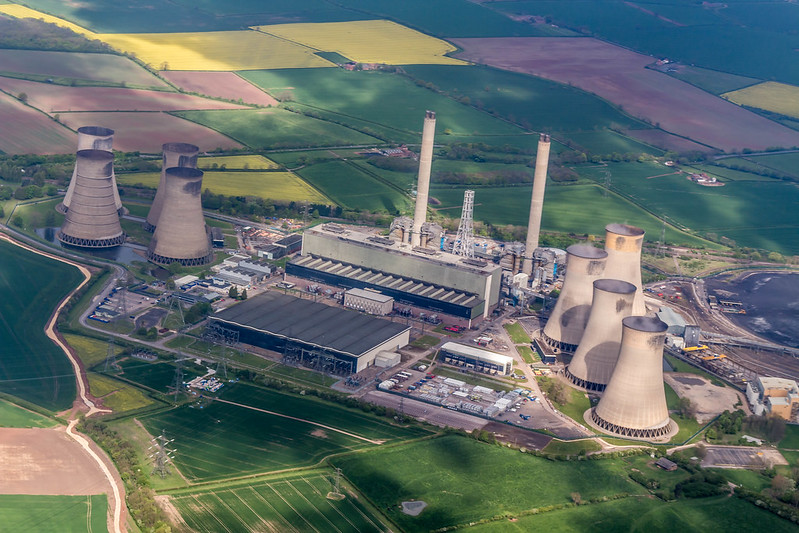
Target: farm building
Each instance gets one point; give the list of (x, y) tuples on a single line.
[(475, 359), (430, 279), (371, 302), (329, 339)]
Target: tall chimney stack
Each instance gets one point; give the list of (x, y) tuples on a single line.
[(423, 185), (537, 203)]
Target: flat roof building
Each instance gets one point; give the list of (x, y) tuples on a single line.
[(777, 396), (329, 339), (475, 359), (371, 302)]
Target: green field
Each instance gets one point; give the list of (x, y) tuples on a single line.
[(517, 333), (463, 480), (276, 128), (31, 365), (647, 515), (218, 440), (14, 416), (787, 163), (579, 209), (535, 103), (118, 396), (388, 104), (296, 502), (351, 187), (156, 376), (281, 186), (53, 514), (734, 210), (712, 81)]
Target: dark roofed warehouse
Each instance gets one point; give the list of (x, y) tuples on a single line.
[(331, 339)]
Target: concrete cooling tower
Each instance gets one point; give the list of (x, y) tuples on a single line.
[(91, 138), (175, 155), (92, 220), (180, 234), (634, 402), (623, 244), (584, 265), (537, 202), (596, 355), (423, 185)]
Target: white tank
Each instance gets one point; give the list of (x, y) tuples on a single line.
[(623, 244), (634, 402), (566, 324), (598, 351)]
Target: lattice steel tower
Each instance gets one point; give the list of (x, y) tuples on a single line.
[(464, 242)]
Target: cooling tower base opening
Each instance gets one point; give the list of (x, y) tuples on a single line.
[(91, 243), (584, 383), (192, 261), (148, 227), (61, 208), (662, 433), (558, 345)]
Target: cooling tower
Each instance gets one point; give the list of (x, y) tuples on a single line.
[(175, 155), (423, 185), (91, 138), (537, 202), (584, 265), (180, 234), (596, 355), (623, 244), (92, 220), (634, 402)]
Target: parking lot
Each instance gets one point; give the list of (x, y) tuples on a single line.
[(742, 457)]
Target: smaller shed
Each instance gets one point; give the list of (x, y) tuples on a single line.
[(666, 464)]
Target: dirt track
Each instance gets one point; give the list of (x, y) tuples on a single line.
[(620, 76)]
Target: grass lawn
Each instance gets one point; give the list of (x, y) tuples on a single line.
[(791, 439), (53, 514), (300, 375), (750, 479), (681, 366), (14, 416), (117, 395), (426, 341), (647, 515), (576, 447), (672, 400), (463, 480), (577, 405), (517, 333), (529, 356)]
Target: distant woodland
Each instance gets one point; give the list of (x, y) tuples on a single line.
[(32, 34)]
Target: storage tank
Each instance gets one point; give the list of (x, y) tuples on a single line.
[(598, 351), (565, 326), (623, 243), (92, 220), (181, 234), (634, 402), (174, 155)]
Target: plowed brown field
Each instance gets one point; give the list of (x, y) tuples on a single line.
[(220, 85), (25, 130)]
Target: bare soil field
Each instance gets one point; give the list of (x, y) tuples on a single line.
[(55, 99), (146, 132), (709, 400), (618, 75), (26, 130), (97, 67), (665, 140), (47, 461), (219, 85)]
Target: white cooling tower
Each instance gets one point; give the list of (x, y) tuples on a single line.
[(623, 244), (175, 155)]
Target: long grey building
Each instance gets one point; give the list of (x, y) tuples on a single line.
[(330, 339), (426, 278)]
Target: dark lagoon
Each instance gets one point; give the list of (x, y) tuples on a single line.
[(771, 301)]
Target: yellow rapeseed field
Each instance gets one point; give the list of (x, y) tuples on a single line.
[(369, 41), (771, 96), (22, 12), (231, 162), (281, 186)]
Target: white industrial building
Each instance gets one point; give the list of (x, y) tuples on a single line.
[(371, 302), (476, 359)]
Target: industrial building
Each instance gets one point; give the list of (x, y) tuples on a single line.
[(774, 396), (566, 324), (430, 279), (283, 247), (329, 339), (477, 359), (371, 302), (596, 355), (634, 402), (92, 218), (174, 155), (180, 235)]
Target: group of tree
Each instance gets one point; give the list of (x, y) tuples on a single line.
[(235, 294), (769, 427), (256, 208), (197, 312), (35, 34), (555, 389)]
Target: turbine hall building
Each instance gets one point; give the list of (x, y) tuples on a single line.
[(430, 279), (328, 339)]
